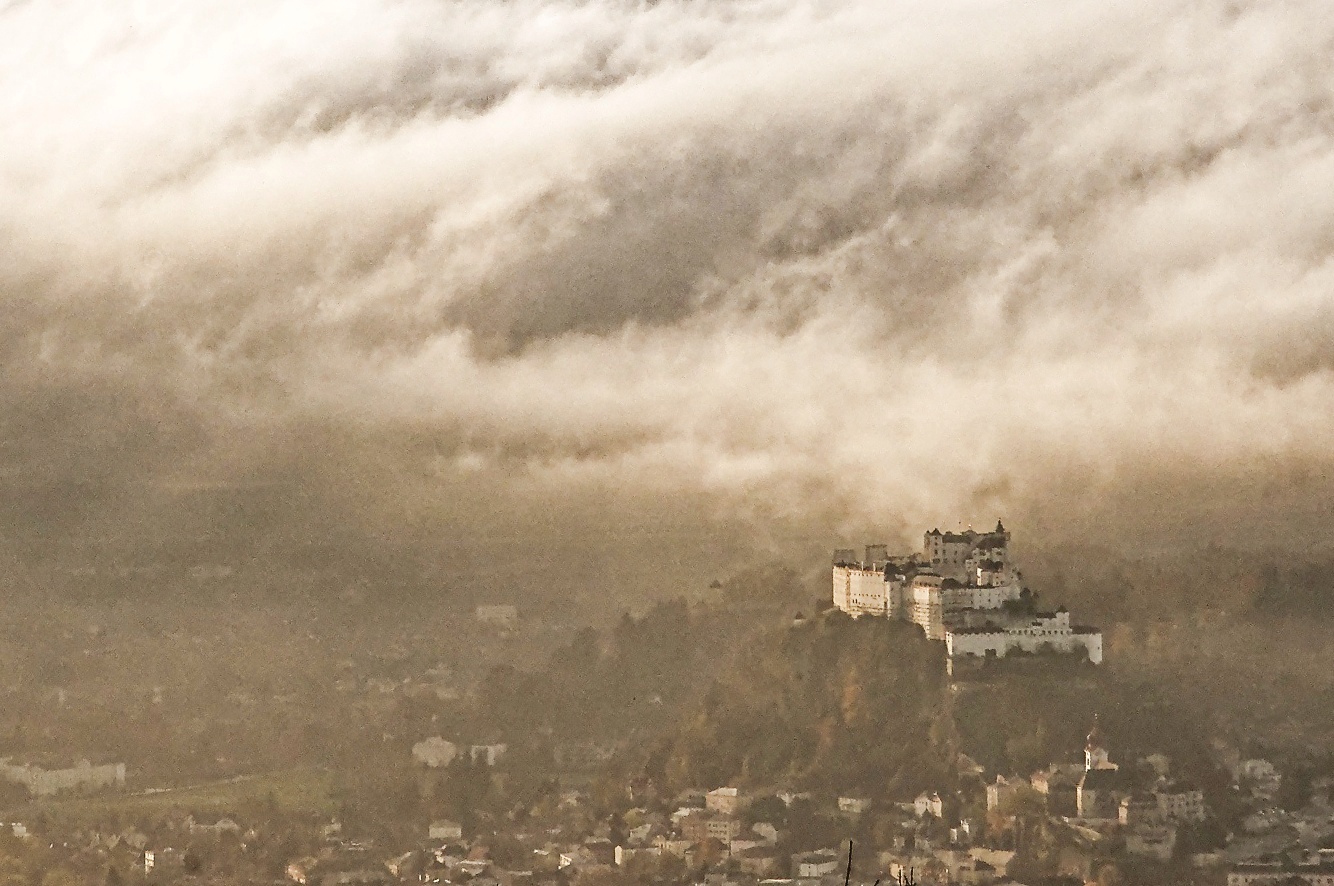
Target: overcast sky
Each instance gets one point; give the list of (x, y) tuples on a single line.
[(803, 266)]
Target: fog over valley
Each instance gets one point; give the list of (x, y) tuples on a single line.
[(794, 270)]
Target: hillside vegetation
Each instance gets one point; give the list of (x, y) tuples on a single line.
[(865, 706), (832, 703)]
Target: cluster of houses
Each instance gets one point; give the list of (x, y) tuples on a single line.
[(1274, 845), (924, 847), (1142, 810), (962, 589), (1143, 806), (727, 837)]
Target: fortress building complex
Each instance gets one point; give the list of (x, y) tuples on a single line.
[(962, 590)]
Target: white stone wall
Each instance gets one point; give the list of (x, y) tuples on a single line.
[(928, 606), (1030, 638), (860, 591), (841, 587), (994, 596), (1093, 643), (867, 593)]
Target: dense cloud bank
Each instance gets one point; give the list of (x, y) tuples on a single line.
[(824, 265)]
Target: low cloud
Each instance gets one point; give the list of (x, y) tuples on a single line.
[(817, 267)]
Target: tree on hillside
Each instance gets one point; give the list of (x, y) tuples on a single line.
[(767, 808), (1020, 815), (1294, 790), (773, 582), (1109, 875)]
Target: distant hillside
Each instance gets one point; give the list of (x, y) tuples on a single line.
[(1021, 720), (631, 680), (865, 706), (833, 703)]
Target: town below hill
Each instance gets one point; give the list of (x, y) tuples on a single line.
[(747, 734)]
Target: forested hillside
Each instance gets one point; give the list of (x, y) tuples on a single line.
[(865, 706), (831, 703)]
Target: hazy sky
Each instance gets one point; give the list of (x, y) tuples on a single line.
[(807, 266)]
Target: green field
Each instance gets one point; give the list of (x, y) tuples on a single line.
[(293, 790)]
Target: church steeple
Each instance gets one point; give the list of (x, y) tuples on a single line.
[(1095, 754)]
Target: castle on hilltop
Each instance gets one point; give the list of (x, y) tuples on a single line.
[(962, 590)]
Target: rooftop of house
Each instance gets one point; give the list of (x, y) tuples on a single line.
[(1105, 780)]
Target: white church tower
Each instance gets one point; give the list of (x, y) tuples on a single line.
[(1095, 755)]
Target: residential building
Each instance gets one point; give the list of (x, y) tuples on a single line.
[(1261, 777), (853, 805), (1180, 801), (434, 752), (698, 826), (1139, 809), (1059, 783), (83, 776), (488, 754), (928, 804), (809, 865), (760, 861), (1000, 792), (445, 829), (726, 801)]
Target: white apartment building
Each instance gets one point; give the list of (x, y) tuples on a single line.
[(1180, 802), (82, 776)]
